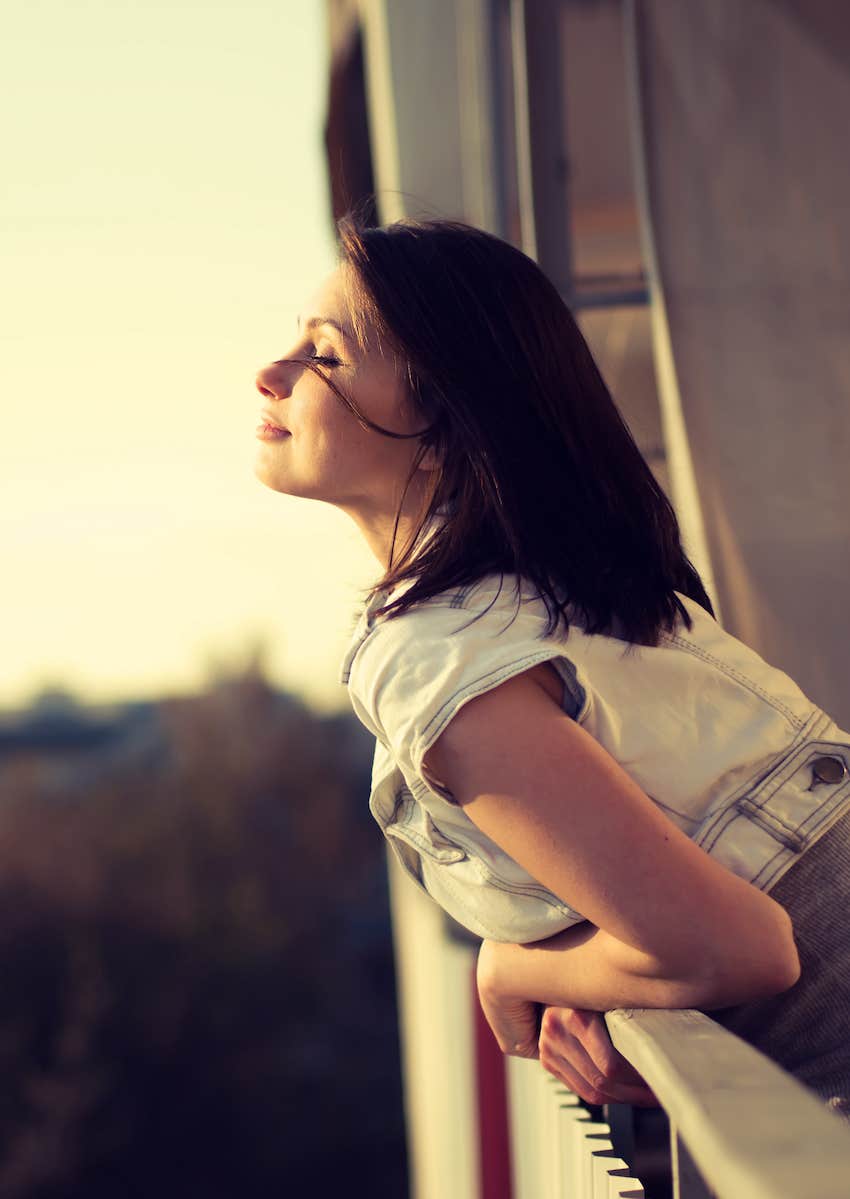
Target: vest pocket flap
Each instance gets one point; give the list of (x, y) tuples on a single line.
[(792, 800), (412, 824), (813, 767)]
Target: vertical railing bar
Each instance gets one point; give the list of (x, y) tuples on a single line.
[(522, 130), (568, 1113), (622, 1184), (595, 1144), (602, 1162), (498, 136)]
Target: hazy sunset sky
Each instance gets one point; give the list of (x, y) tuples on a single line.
[(166, 213)]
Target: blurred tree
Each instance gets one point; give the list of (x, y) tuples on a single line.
[(198, 991)]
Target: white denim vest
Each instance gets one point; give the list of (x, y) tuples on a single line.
[(727, 746)]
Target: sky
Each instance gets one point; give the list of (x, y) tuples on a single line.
[(165, 213)]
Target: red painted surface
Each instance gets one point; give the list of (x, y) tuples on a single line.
[(493, 1135)]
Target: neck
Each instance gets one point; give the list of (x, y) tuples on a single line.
[(378, 521), (377, 532)]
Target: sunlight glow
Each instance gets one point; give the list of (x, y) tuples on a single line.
[(168, 215)]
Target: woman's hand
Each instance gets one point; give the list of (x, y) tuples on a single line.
[(574, 1045), (571, 1043), (515, 1023)]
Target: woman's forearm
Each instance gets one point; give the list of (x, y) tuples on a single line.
[(585, 967)]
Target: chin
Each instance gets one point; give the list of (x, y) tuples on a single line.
[(276, 481), (268, 478)]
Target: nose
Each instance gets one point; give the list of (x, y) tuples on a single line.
[(274, 380)]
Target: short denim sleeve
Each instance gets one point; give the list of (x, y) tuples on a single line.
[(411, 674)]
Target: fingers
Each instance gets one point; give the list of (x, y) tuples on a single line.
[(591, 1035), (574, 1046)]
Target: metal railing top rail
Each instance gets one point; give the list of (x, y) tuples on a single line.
[(751, 1129)]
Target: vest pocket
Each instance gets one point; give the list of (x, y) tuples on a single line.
[(528, 890), (453, 873), (787, 837), (413, 825), (792, 800), (492, 877)]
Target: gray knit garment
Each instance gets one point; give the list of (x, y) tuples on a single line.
[(807, 1028)]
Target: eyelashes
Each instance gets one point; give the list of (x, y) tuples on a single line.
[(312, 362)]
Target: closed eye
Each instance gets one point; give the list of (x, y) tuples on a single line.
[(325, 359)]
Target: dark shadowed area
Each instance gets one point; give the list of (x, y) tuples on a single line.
[(198, 991)]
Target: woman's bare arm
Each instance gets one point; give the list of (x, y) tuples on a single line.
[(673, 928)]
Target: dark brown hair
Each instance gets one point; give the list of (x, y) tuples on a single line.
[(538, 474)]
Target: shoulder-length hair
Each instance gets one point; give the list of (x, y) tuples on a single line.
[(538, 475)]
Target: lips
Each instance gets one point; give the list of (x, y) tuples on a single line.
[(271, 424), (270, 430)]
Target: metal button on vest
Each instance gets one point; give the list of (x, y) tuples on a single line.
[(828, 770)]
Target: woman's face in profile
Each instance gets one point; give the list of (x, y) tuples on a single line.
[(309, 443)]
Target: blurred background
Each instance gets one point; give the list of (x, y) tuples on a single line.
[(166, 213), (216, 980), (198, 989)]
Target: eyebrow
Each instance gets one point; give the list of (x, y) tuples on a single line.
[(314, 322)]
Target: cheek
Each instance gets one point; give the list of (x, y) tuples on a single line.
[(331, 444), (332, 437)]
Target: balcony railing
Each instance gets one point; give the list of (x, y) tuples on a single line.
[(739, 1126), (733, 1124)]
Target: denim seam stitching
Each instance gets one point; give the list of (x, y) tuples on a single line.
[(754, 778), (776, 778), (731, 671), (760, 810), (824, 816), (463, 902), (530, 891), (493, 677), (819, 815), (400, 829)]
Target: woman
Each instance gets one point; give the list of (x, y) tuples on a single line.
[(626, 804)]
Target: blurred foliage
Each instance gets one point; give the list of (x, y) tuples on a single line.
[(197, 990)]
